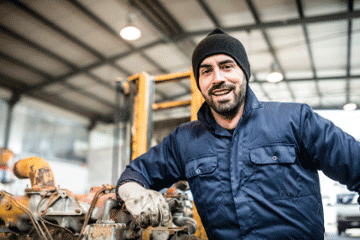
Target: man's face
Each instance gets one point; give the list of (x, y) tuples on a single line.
[(223, 84)]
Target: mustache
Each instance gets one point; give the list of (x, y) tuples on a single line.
[(220, 86)]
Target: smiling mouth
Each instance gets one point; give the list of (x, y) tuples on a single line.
[(220, 92)]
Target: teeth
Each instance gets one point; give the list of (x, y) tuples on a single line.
[(220, 92)]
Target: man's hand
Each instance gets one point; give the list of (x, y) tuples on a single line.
[(148, 207)]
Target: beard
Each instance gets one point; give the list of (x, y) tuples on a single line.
[(230, 107)]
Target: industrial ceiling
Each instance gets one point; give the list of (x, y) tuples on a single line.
[(69, 52)]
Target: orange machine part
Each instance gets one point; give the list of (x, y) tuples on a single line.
[(5, 156), (38, 170), (9, 208)]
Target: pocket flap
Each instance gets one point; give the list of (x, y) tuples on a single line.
[(200, 166), (273, 154)]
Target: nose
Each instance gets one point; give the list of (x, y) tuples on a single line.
[(219, 76)]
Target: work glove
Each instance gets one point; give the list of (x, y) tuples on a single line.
[(147, 207)]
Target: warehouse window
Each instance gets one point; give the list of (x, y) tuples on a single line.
[(36, 132)]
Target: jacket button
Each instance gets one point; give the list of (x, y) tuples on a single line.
[(274, 158), (198, 171)]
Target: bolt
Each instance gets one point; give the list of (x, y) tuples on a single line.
[(77, 210), (8, 206)]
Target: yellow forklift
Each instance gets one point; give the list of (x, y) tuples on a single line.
[(142, 121)]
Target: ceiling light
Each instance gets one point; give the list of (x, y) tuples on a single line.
[(349, 107), (130, 32), (274, 76)]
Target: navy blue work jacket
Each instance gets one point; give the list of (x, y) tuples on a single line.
[(261, 181)]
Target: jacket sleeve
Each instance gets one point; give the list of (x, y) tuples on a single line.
[(330, 149), (158, 168)]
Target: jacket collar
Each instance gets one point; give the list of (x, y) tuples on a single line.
[(206, 118)]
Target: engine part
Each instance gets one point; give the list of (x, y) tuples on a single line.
[(47, 212), (181, 207), (105, 230), (39, 172)]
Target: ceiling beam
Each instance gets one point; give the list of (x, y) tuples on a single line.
[(348, 53), (166, 24), (331, 78), (209, 13), (88, 68), (12, 83), (159, 16), (297, 21), (308, 45), (35, 46), (320, 18), (63, 78), (55, 27), (261, 86), (161, 20), (47, 76), (256, 16), (66, 34), (110, 30), (69, 106), (276, 24), (52, 80)]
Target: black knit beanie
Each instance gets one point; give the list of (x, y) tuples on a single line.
[(218, 42)]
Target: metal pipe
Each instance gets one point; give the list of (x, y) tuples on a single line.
[(8, 125), (173, 77), (187, 222), (38, 170), (11, 103), (115, 161), (172, 104)]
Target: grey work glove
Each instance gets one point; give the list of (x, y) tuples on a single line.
[(147, 207)]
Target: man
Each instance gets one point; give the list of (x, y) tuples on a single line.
[(251, 166)]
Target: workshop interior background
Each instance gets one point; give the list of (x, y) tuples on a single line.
[(60, 61)]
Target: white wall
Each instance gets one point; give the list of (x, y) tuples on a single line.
[(100, 166), (100, 155), (71, 176)]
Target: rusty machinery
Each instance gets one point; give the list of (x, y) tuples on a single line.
[(48, 212)]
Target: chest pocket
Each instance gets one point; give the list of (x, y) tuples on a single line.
[(283, 154), (201, 166), (276, 172), (204, 179)]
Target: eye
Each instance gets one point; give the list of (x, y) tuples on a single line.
[(205, 71), (227, 66)]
